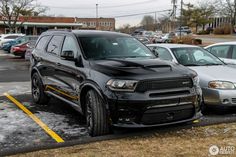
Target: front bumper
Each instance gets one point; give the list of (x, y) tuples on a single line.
[(217, 97), (198, 115), (139, 110), (18, 53)]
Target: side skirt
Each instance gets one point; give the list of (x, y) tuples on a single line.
[(74, 105)]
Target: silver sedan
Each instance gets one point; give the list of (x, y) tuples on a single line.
[(217, 80)]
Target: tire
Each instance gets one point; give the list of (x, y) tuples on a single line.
[(37, 90), (96, 116)]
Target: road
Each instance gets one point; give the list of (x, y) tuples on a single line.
[(13, 69), (18, 130)]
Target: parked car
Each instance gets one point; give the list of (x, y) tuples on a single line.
[(20, 49), (112, 79), (29, 49), (178, 33), (8, 37), (7, 45), (226, 51), (166, 38), (144, 40), (217, 80), (184, 29)]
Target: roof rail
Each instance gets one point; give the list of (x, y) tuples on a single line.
[(66, 30)]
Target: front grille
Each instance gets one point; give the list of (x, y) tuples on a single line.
[(168, 114), (234, 100), (166, 94), (173, 83)]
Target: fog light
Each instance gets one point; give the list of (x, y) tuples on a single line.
[(225, 101)]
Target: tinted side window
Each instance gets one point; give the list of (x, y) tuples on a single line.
[(164, 54), (234, 53), (220, 51), (42, 43), (69, 45), (54, 44)]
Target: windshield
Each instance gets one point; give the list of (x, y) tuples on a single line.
[(192, 56), (20, 40), (114, 47)]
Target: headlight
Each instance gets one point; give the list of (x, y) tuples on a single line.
[(196, 80), (221, 85), (122, 85)]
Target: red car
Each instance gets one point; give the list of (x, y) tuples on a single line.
[(20, 49)]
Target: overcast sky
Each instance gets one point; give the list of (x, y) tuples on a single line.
[(108, 8)]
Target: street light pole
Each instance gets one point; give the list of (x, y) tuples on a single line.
[(181, 16), (96, 16)]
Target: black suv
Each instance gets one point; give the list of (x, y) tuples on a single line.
[(112, 79)]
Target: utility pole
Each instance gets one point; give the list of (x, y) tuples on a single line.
[(96, 16), (234, 13), (155, 27), (181, 18)]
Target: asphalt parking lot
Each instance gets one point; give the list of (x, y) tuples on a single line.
[(25, 124)]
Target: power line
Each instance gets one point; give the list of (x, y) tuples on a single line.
[(120, 16), (111, 6)]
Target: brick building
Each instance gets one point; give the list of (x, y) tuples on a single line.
[(37, 25)]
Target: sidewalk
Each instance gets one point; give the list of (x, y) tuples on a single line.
[(216, 36)]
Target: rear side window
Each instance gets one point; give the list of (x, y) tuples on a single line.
[(220, 51), (55, 44), (42, 43), (164, 54), (234, 53)]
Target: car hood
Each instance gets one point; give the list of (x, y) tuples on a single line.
[(151, 68), (210, 73)]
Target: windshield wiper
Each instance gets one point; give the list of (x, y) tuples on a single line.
[(191, 65), (212, 64)]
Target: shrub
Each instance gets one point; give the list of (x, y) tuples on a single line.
[(187, 40), (184, 40), (202, 32), (223, 30), (227, 29), (197, 41), (218, 30)]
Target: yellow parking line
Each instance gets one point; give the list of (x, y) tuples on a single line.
[(54, 135)]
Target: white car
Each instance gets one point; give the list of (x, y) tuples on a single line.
[(217, 80), (8, 37), (226, 51)]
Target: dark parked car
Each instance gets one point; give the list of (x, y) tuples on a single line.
[(112, 79)]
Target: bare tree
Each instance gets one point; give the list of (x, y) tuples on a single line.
[(228, 8), (148, 22), (11, 10)]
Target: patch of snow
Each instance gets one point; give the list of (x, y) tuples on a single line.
[(15, 88), (60, 123)]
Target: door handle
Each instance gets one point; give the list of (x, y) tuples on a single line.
[(58, 64)]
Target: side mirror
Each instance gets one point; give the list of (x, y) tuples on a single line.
[(154, 51), (68, 55)]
